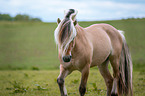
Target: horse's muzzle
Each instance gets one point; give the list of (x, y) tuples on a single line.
[(67, 58)]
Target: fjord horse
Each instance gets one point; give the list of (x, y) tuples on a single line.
[(82, 48)]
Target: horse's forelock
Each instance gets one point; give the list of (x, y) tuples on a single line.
[(65, 31), (65, 34)]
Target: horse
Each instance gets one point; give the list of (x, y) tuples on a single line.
[(82, 48)]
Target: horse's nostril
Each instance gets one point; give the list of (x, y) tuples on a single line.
[(67, 58)]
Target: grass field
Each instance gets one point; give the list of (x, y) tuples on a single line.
[(29, 46), (43, 83)]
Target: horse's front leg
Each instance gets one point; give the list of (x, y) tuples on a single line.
[(84, 78), (60, 80)]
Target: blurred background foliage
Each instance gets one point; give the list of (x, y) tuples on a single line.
[(18, 17)]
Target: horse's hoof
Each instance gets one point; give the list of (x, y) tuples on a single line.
[(114, 94)]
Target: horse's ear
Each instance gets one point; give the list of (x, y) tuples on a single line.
[(75, 22), (58, 20)]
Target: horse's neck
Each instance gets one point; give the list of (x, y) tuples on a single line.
[(82, 46), (81, 38)]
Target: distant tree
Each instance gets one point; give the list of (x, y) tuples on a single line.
[(20, 17), (25, 17), (5, 17), (36, 19)]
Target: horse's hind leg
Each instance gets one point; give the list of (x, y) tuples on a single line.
[(115, 65), (103, 68)]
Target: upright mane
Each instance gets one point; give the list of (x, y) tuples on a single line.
[(65, 32)]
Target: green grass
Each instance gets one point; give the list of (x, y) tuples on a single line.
[(27, 46), (30, 45), (43, 83)]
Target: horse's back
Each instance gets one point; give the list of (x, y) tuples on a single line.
[(105, 40)]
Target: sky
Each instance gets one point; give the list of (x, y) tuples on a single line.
[(88, 10)]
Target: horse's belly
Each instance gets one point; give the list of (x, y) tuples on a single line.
[(100, 56), (99, 59), (101, 50)]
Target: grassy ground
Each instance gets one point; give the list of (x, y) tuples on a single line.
[(27, 46), (30, 45), (43, 83)]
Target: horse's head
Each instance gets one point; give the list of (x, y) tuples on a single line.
[(65, 34)]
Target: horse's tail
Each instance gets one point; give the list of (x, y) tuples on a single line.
[(125, 68)]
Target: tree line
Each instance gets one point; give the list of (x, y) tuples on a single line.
[(18, 17)]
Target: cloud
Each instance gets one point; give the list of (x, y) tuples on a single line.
[(50, 10)]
